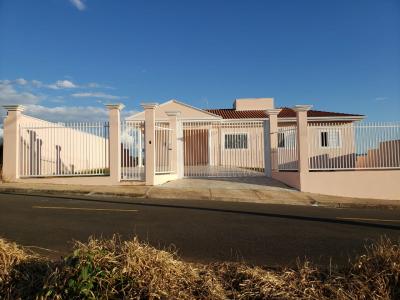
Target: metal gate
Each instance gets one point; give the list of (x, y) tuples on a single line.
[(64, 149), (132, 150), (223, 149), (163, 147)]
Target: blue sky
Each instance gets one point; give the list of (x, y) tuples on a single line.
[(65, 58)]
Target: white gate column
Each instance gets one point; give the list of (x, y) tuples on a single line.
[(302, 141), (271, 162), (114, 113), (11, 146), (149, 141)]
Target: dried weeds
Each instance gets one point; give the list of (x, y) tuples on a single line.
[(115, 269)]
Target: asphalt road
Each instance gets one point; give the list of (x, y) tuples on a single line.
[(202, 231)]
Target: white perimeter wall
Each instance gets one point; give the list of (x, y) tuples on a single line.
[(80, 151), (374, 184)]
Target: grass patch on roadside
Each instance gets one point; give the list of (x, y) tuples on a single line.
[(115, 269)]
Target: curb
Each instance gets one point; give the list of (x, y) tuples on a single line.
[(310, 201), (69, 192)]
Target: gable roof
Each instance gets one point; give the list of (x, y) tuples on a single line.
[(286, 112), (201, 111)]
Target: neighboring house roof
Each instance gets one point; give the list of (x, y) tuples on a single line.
[(286, 112)]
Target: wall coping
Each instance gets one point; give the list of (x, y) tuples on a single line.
[(149, 105), (273, 111), (13, 107), (302, 107), (118, 106)]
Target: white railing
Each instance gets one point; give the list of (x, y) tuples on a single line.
[(287, 148), (223, 149), (132, 150), (163, 144), (338, 146), (64, 149)]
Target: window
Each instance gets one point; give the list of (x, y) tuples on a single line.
[(324, 139), (281, 140), (236, 141), (330, 139), (287, 139)]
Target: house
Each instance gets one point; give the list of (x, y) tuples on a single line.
[(231, 141), (311, 150)]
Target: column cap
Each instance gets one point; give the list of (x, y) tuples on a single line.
[(118, 106), (273, 111), (150, 105), (14, 107), (173, 113), (302, 107)]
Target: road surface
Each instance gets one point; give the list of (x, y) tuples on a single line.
[(201, 231)]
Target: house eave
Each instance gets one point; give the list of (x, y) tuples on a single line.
[(326, 119)]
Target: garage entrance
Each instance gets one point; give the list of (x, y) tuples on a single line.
[(223, 148)]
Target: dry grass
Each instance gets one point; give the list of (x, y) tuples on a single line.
[(114, 269), (10, 255), (21, 272)]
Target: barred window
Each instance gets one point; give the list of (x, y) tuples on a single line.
[(236, 141), (287, 139), (281, 140), (330, 139)]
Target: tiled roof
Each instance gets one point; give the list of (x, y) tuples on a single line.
[(286, 112)]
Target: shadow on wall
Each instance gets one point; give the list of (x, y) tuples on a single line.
[(324, 161), (382, 156)]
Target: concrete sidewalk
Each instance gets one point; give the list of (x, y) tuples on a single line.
[(254, 189)]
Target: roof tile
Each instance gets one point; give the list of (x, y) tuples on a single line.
[(286, 112)]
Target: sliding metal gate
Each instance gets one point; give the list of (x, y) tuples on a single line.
[(64, 149), (223, 149)]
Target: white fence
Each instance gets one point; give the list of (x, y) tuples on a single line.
[(163, 144), (132, 150), (338, 146), (287, 148), (64, 149), (223, 149)]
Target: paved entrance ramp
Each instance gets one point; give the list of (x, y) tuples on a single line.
[(259, 183), (244, 189)]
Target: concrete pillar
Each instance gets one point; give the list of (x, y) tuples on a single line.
[(302, 140), (271, 162), (114, 111), (11, 143), (173, 152), (149, 141)]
